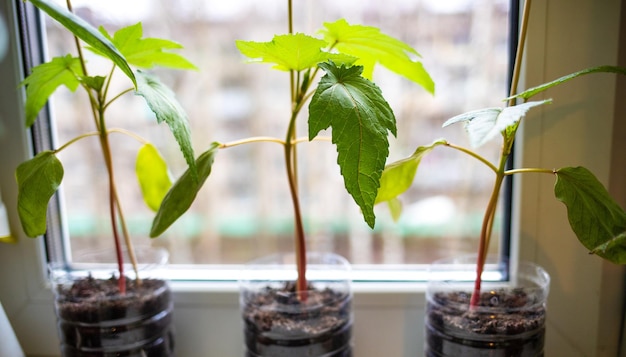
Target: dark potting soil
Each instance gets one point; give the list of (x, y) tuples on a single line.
[(514, 325), (94, 319), (321, 326)]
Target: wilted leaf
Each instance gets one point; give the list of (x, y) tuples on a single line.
[(596, 219), (153, 176), (485, 124), (37, 180), (361, 120), (398, 176), (146, 52), (182, 194), (371, 46), (163, 103), (45, 79), (81, 29)]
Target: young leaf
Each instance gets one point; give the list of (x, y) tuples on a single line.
[(45, 79), (145, 52), (167, 109), (81, 29), (371, 46), (37, 180), (361, 120), (398, 176), (485, 124), (182, 194), (153, 176), (291, 52), (596, 219), (540, 88)]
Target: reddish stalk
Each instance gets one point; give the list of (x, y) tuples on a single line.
[(488, 219)]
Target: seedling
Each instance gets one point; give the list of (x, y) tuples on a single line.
[(344, 99), (129, 53)]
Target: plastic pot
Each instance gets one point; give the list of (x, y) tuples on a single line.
[(278, 321), (95, 320), (510, 318)]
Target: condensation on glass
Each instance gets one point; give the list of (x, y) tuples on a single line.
[(244, 211)]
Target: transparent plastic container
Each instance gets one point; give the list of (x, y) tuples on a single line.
[(277, 322), (95, 320), (509, 321)]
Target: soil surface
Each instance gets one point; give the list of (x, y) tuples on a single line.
[(506, 323), (317, 326), (96, 320)]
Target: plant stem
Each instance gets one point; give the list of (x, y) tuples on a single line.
[(98, 112), (296, 101), (488, 219)]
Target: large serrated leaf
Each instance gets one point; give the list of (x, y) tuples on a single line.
[(287, 52), (153, 176), (167, 109), (182, 194), (37, 180), (485, 124), (81, 29), (361, 121), (372, 46), (45, 79), (145, 52), (398, 176), (596, 219)]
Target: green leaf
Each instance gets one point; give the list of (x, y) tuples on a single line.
[(372, 46), (395, 209), (163, 103), (291, 52), (96, 82), (81, 29), (45, 79), (37, 180), (485, 124), (398, 176), (596, 219), (182, 194), (361, 120), (146, 52), (153, 176), (540, 88)]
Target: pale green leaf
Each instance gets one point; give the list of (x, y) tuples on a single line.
[(371, 46), (485, 124), (361, 121), (596, 219), (146, 52), (542, 87), (398, 176), (395, 209), (45, 79), (81, 29), (37, 181), (182, 194), (163, 103), (153, 175), (287, 52)]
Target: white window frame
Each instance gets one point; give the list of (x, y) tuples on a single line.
[(586, 301)]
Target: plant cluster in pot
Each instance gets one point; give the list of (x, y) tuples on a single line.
[(124, 311), (300, 305), (482, 307)]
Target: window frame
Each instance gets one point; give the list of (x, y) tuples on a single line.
[(207, 315)]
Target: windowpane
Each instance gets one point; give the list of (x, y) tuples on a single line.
[(244, 210)]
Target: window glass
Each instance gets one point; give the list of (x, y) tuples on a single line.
[(244, 210)]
